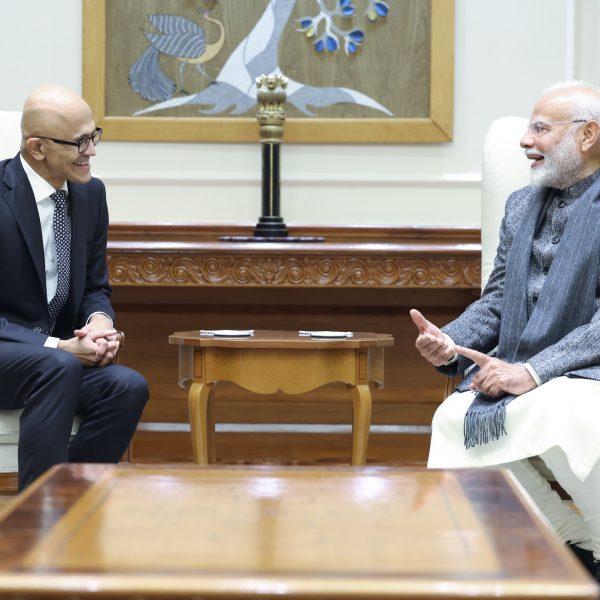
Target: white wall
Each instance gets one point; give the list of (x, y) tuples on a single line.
[(506, 53)]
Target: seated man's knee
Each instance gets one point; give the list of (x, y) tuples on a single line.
[(135, 385), (64, 366), (447, 412), (441, 411)]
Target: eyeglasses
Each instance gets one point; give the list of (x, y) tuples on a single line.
[(81, 145), (541, 128)]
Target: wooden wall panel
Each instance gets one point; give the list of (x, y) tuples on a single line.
[(150, 307), (279, 448)]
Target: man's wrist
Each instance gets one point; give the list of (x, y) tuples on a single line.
[(450, 343), (451, 361), (89, 319)]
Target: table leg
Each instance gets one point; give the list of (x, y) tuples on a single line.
[(361, 421), (201, 422)]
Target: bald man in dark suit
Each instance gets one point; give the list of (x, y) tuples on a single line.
[(57, 339)]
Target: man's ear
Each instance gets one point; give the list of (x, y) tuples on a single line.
[(35, 147), (591, 135)]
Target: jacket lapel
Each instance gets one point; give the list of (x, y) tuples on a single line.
[(18, 195)]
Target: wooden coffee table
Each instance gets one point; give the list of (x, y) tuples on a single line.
[(270, 361), (264, 532)]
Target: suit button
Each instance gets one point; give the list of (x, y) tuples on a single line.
[(561, 204), (545, 270), (37, 329), (534, 299), (555, 240)]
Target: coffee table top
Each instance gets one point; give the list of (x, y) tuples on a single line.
[(281, 339), (234, 532)]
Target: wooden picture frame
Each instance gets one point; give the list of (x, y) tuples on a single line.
[(436, 126)]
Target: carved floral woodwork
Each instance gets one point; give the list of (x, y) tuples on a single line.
[(302, 271), (351, 257)]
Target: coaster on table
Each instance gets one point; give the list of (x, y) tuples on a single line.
[(228, 332), (327, 334)]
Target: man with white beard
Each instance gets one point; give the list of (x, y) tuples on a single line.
[(539, 394)]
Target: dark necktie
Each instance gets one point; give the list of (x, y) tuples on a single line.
[(62, 237)]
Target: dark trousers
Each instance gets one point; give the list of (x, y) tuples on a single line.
[(52, 386)]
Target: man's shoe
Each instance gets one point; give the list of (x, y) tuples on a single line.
[(586, 558)]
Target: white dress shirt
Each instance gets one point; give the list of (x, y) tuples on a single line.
[(42, 191)]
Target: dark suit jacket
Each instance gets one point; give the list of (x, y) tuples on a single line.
[(23, 302)]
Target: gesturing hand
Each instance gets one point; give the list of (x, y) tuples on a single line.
[(496, 376), (432, 343)]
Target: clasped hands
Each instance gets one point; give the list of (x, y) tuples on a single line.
[(495, 376), (95, 344)]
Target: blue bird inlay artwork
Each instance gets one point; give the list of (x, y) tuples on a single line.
[(233, 90), (181, 39)]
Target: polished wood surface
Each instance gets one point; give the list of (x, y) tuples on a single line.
[(171, 277), (271, 361), (266, 532)]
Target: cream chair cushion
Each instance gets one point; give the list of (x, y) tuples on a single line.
[(10, 133), (9, 439)]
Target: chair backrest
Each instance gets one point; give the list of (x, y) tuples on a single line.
[(505, 169), (10, 133)]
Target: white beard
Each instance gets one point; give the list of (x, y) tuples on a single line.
[(562, 165)]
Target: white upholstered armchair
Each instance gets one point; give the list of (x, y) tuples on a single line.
[(504, 169), (10, 133)]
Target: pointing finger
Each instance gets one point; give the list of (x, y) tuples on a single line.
[(477, 357)]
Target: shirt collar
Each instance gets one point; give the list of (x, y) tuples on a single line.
[(577, 189), (41, 188)]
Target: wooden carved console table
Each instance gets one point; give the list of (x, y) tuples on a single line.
[(169, 278)]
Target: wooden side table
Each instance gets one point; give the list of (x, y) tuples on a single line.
[(270, 361)]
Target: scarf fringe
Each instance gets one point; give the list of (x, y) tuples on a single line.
[(484, 423)]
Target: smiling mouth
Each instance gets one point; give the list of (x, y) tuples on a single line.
[(78, 164), (535, 157)]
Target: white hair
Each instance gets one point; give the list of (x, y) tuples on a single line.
[(583, 97)]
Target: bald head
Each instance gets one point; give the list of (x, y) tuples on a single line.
[(54, 120), (50, 110), (574, 99)]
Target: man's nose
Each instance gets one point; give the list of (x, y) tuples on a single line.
[(527, 140), (90, 150)]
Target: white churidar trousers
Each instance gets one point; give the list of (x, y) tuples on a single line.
[(558, 421)]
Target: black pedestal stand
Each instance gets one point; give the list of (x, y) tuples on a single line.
[(270, 226)]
